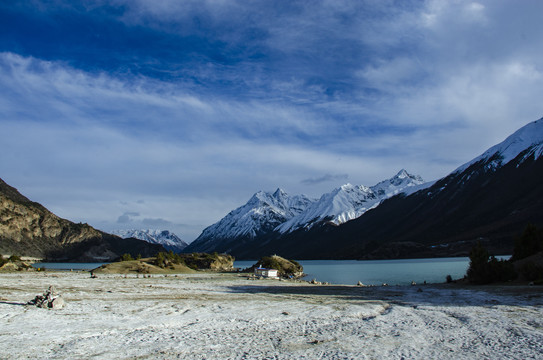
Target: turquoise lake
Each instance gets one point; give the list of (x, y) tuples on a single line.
[(67, 266), (377, 272), (350, 272)]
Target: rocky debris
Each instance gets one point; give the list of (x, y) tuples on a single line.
[(49, 300)]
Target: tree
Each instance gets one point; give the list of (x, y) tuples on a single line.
[(529, 243), (160, 260), (485, 269), (478, 260)]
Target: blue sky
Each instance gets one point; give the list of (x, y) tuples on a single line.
[(169, 114)]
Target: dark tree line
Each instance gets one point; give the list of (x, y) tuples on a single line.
[(485, 269)]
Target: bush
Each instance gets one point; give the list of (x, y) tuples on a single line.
[(14, 258), (126, 257), (485, 269), (449, 279), (164, 260), (531, 271)]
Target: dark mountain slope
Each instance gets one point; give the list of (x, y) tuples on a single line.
[(493, 203)]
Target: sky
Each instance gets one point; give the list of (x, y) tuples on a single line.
[(169, 114)]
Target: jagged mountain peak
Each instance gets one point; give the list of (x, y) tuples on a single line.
[(261, 214), (279, 194), (349, 202)]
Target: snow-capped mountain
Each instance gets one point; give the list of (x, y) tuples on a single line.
[(167, 239), (260, 215), (527, 140), (350, 201)]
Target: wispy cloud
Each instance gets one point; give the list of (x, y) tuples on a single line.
[(324, 178), (127, 217)]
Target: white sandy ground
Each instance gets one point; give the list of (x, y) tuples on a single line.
[(217, 316)]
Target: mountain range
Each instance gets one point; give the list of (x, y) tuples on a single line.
[(279, 213), (167, 239), (490, 199)]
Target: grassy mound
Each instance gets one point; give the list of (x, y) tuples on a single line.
[(141, 266), (286, 268)]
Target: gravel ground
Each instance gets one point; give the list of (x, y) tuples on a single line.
[(223, 316)]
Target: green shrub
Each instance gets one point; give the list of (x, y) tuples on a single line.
[(126, 257), (168, 259)]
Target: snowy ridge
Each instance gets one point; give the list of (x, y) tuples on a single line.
[(351, 201), (263, 212), (528, 138), (167, 239)]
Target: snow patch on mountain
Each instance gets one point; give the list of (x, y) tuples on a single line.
[(167, 239), (351, 201), (527, 139), (262, 213)]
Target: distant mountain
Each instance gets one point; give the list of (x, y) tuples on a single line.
[(266, 215), (489, 199), (258, 217), (28, 229), (350, 201), (167, 239)]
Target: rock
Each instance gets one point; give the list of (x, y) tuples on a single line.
[(360, 284), (49, 300), (57, 303)]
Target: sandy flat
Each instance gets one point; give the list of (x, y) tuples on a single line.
[(215, 316)]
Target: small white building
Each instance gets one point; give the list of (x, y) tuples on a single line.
[(269, 273)]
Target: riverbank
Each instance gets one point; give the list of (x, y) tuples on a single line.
[(221, 316)]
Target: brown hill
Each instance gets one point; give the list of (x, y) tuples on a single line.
[(28, 229)]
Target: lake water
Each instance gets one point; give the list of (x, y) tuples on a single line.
[(67, 266), (350, 272), (377, 272)]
